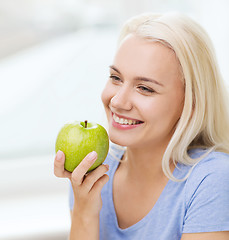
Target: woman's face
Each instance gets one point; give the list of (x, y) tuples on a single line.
[(144, 95)]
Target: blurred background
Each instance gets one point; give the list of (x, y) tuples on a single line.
[(54, 58)]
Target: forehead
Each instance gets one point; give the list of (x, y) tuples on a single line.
[(139, 56)]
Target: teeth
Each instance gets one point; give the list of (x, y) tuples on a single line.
[(124, 121)]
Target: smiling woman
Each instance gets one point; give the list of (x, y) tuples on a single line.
[(168, 119), (132, 95)]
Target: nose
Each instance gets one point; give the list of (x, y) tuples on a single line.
[(122, 99)]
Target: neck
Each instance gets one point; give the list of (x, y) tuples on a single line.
[(144, 165)]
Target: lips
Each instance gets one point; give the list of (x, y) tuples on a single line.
[(123, 122)]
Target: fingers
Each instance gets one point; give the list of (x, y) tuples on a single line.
[(99, 184), (80, 171), (79, 177), (59, 170), (94, 176)]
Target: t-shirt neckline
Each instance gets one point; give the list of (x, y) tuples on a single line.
[(144, 220)]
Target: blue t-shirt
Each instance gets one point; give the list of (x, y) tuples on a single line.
[(199, 204)]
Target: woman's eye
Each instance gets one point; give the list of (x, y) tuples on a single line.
[(115, 78), (146, 89)]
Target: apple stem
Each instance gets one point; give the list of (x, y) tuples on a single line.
[(85, 123)]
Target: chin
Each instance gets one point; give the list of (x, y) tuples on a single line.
[(118, 141), (123, 141), (122, 138)]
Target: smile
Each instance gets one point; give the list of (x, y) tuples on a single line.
[(125, 121)]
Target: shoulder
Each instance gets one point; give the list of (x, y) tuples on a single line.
[(114, 155), (214, 165), (212, 170), (207, 195)]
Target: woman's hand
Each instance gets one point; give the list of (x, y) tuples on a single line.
[(87, 192)]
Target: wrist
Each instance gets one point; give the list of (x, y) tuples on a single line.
[(85, 219), (84, 227)]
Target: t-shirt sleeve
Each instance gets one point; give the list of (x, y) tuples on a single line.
[(71, 197), (207, 198)]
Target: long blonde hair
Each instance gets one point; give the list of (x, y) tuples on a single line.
[(204, 122)]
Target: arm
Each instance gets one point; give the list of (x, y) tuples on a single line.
[(87, 194), (206, 236), (84, 228), (207, 215)]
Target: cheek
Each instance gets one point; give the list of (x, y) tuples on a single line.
[(154, 108), (162, 110), (173, 109)]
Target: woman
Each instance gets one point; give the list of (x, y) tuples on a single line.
[(166, 103)]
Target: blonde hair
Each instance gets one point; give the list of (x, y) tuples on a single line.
[(204, 122)]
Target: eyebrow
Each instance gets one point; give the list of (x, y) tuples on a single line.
[(139, 78)]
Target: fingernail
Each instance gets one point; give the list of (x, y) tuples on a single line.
[(58, 155), (107, 166), (92, 155)]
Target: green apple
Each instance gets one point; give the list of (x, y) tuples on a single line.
[(77, 139)]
